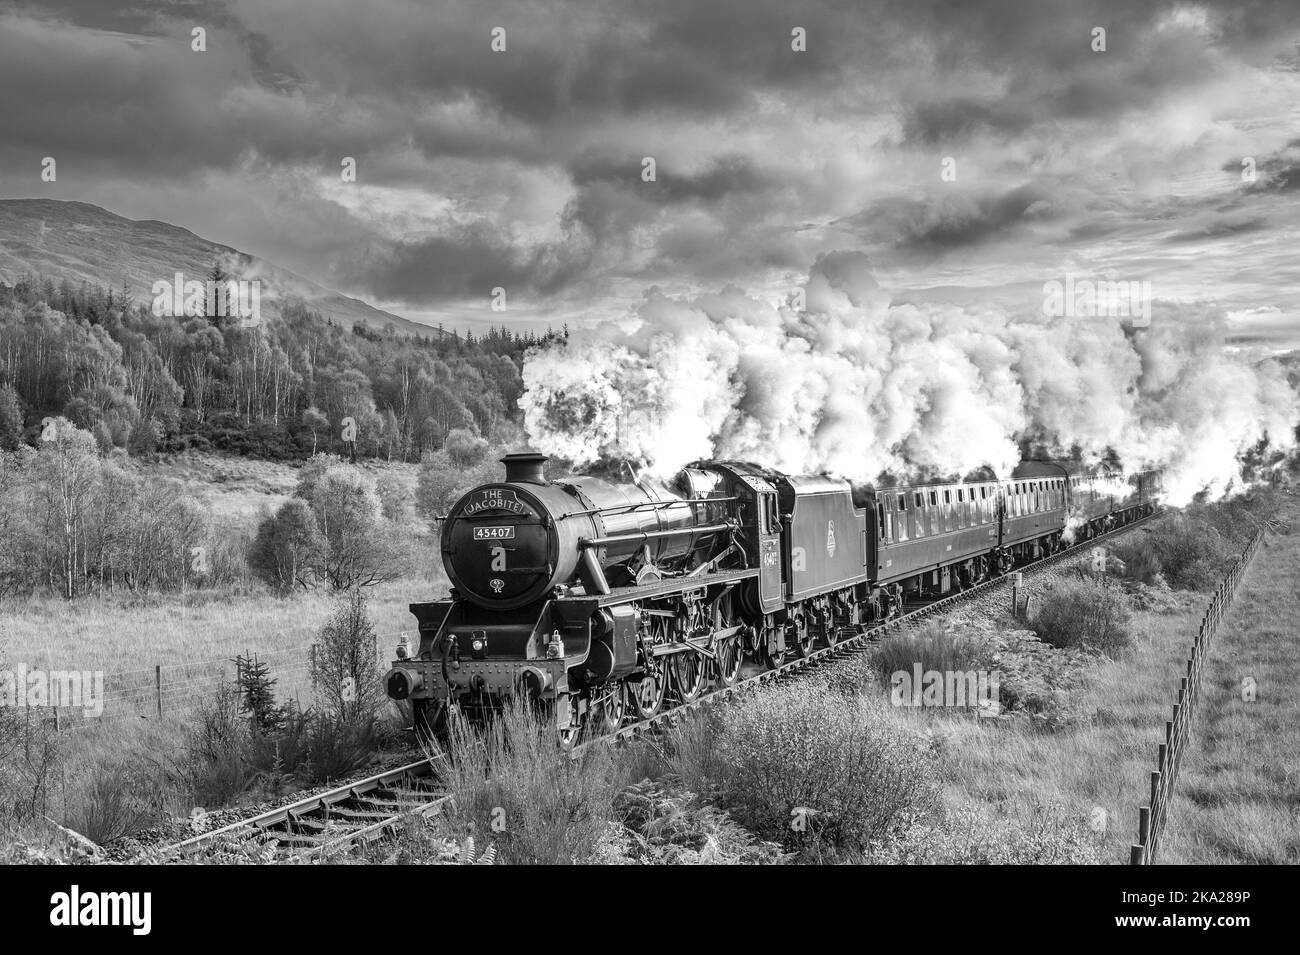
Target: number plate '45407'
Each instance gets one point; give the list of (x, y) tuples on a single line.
[(494, 533)]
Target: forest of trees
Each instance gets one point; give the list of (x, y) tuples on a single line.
[(279, 390)]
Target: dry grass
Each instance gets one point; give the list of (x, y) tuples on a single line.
[(194, 638), (1013, 769), (934, 647), (1238, 793), (512, 785)]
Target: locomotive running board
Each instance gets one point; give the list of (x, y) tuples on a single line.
[(672, 585)]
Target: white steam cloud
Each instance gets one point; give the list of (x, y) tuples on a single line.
[(855, 386)]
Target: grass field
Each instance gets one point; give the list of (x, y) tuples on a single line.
[(1238, 799), (1094, 770), (1092, 767), (195, 636), (1238, 793)]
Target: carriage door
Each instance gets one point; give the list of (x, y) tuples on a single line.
[(1001, 510), (769, 549)]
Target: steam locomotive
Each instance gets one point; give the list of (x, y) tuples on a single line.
[(605, 601)]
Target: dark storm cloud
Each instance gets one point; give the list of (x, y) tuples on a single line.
[(951, 222), (465, 263), (1280, 176), (468, 263), (942, 121), (532, 158), (724, 176), (961, 224)]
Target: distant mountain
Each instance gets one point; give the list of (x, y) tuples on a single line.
[(82, 242)]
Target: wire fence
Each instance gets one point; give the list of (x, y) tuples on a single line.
[(1178, 731), (178, 690)]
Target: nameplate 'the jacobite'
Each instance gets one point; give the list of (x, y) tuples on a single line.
[(493, 499)]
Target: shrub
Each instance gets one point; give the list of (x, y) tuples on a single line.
[(345, 663), (464, 448), (1138, 558), (513, 786), (672, 826), (214, 769), (440, 482), (29, 755), (350, 546), (237, 745), (1091, 612), (1193, 554), (815, 771), (117, 801), (392, 498), (309, 747), (358, 553), (289, 548), (935, 648)]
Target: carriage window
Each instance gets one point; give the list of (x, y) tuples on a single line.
[(947, 497), (960, 496), (920, 501), (882, 526), (902, 502), (934, 498)]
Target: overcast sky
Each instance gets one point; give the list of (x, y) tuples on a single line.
[(523, 168)]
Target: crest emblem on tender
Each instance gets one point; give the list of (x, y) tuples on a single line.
[(830, 538), (497, 585)]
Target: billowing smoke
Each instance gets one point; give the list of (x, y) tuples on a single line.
[(855, 386)]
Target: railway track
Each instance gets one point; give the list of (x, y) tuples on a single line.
[(318, 824), (366, 809)]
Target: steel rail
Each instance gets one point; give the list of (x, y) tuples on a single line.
[(283, 820)]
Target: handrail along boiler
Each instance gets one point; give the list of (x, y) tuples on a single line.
[(602, 601)]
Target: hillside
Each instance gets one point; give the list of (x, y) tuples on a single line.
[(82, 242)]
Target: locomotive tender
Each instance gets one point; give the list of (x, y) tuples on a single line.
[(602, 600)]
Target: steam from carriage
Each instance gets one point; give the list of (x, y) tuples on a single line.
[(598, 599)]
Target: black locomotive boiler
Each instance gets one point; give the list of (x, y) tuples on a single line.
[(602, 601)]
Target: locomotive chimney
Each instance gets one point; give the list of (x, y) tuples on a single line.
[(524, 467)]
